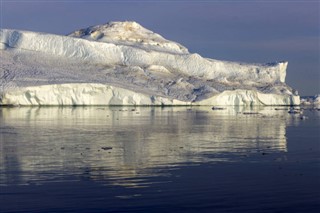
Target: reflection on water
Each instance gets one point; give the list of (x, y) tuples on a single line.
[(124, 145)]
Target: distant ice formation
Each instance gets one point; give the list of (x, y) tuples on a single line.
[(311, 101), (122, 63)]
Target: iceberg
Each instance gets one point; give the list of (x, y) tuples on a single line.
[(123, 63), (311, 101)]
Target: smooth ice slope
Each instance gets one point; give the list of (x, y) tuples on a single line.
[(122, 63)]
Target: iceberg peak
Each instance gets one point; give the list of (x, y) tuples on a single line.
[(128, 33)]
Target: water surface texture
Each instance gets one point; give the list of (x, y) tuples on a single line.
[(171, 159)]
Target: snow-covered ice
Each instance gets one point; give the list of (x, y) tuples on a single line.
[(311, 101), (122, 63)]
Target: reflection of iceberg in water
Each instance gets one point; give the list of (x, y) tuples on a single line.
[(126, 145)]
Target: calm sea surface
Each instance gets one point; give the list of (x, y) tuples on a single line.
[(181, 159)]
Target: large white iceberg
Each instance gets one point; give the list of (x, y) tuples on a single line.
[(122, 63)]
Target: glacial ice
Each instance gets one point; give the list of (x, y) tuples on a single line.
[(311, 101), (122, 63)]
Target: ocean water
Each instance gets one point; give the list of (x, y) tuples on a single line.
[(153, 159)]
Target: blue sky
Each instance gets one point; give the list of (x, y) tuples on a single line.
[(250, 31)]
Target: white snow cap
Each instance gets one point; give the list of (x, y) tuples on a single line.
[(128, 33)]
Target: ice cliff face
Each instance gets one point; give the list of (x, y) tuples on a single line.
[(122, 63)]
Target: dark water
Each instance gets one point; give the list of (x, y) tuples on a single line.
[(101, 159)]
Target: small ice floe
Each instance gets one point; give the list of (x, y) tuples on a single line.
[(316, 108), (311, 101), (217, 108), (302, 117)]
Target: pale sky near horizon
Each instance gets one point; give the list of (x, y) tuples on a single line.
[(256, 31)]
